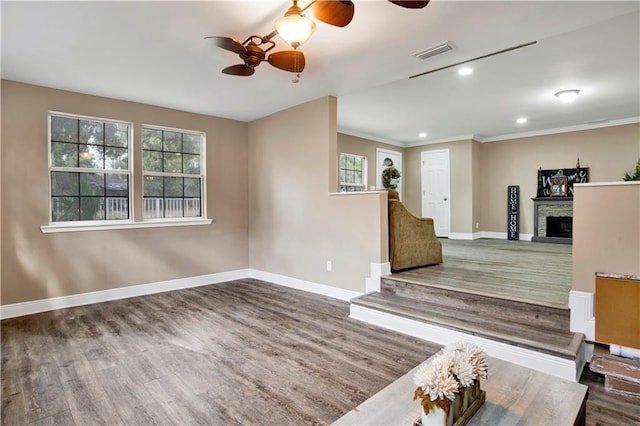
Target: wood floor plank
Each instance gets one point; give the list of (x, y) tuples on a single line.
[(244, 352), (524, 270)]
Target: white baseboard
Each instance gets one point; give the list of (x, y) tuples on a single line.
[(462, 236), (502, 235), (582, 317), (298, 284), (560, 367), (377, 271), (53, 303)]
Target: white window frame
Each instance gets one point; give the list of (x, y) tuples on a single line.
[(201, 176), (363, 185), (133, 221), (127, 172)]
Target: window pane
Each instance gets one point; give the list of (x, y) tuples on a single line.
[(64, 209), (357, 163), (64, 154), (92, 208), (117, 208), (192, 207), (350, 162), (173, 207), (153, 208), (152, 139), (172, 162), (64, 129), (152, 161), (343, 161), (191, 164), (172, 141), (92, 132), (117, 185), (343, 175), (64, 183), (91, 184), (91, 156), (349, 176), (153, 186), (191, 143), (358, 177), (116, 134), (192, 187), (173, 187), (116, 158)]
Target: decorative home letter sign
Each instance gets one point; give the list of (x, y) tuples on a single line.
[(513, 212)]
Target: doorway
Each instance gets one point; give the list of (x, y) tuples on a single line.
[(436, 195), (387, 158)]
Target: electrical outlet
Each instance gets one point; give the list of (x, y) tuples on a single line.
[(329, 266), (477, 225)]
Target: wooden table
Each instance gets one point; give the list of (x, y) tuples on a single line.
[(515, 395)]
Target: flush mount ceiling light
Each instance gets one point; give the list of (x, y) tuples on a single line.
[(521, 120), (422, 135), (567, 96), (294, 28), (465, 71)]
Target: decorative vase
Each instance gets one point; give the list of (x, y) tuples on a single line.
[(436, 417)]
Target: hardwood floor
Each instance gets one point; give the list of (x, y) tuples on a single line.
[(518, 270), (244, 352)]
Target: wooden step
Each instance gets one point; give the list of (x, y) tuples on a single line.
[(558, 343), (622, 387), (606, 363), (526, 313)]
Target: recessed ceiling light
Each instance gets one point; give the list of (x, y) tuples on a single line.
[(465, 71), (521, 120), (566, 96), (422, 135)]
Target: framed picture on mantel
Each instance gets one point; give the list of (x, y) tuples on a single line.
[(559, 186), (546, 180)]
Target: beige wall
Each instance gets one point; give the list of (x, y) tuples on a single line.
[(606, 232), (348, 144), (296, 226), (607, 151), (36, 265)]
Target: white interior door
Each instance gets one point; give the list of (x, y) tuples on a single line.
[(436, 196), (386, 158)]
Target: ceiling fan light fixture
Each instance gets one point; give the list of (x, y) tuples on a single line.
[(294, 28), (566, 96)]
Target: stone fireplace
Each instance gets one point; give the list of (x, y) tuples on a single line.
[(553, 219)]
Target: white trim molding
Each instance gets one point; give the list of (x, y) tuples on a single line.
[(377, 271), (582, 317), (53, 303), (298, 284), (549, 364), (501, 235)]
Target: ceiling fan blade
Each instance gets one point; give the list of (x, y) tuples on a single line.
[(334, 12), (240, 69), (227, 44), (411, 4), (288, 60)]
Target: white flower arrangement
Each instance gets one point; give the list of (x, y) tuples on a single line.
[(447, 373)]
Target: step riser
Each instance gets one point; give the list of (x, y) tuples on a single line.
[(520, 312), (622, 368), (622, 387)]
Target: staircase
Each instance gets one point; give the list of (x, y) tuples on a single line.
[(528, 334)]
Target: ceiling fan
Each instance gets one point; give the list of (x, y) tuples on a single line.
[(295, 29)]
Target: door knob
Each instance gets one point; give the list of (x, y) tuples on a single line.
[(446, 199)]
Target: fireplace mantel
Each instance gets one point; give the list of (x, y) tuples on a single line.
[(550, 206)]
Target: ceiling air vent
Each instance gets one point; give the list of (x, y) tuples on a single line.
[(439, 48)]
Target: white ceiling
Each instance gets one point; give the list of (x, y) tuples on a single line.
[(155, 53)]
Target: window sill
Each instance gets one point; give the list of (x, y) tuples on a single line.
[(47, 229)]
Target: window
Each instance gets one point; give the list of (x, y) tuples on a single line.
[(172, 173), (89, 169), (353, 173)]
